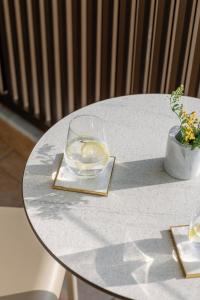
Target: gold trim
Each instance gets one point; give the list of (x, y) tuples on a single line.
[(191, 275), (57, 187), (61, 159)]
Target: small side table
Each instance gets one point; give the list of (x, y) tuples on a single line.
[(120, 243)]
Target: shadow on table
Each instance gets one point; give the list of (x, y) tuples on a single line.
[(142, 261), (132, 263), (42, 199), (140, 173), (126, 175)]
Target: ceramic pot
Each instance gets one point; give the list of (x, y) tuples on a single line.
[(181, 161)]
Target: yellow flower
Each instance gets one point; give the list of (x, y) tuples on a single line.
[(189, 134), (194, 114), (190, 122), (184, 114)]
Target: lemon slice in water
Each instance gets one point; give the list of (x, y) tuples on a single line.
[(94, 151), (194, 232)]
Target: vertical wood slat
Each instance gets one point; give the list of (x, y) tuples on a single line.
[(193, 71), (114, 47), (198, 93), (175, 44), (33, 58), (149, 44), (50, 59), (12, 80), (83, 52), (4, 54), (91, 49), (188, 19), (188, 43), (99, 50), (122, 51), (42, 22), (70, 56), (62, 28), (1, 80), (56, 59), (131, 46), (16, 53), (142, 9), (156, 46), (27, 59), (39, 66), (106, 45), (167, 46), (76, 17), (21, 50)]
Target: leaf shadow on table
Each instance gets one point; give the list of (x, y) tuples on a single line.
[(134, 174), (132, 263), (47, 202)]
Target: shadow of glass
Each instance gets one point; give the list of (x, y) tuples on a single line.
[(132, 263), (134, 174)]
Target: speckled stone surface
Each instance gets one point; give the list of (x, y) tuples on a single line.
[(120, 243)]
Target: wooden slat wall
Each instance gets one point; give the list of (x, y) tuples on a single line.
[(57, 56), (2, 88)]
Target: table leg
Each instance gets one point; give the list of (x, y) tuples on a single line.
[(72, 288)]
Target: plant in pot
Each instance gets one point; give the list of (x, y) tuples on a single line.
[(182, 159)]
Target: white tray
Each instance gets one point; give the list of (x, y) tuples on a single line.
[(188, 252), (66, 180)]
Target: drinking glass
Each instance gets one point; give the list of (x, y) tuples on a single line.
[(86, 151)]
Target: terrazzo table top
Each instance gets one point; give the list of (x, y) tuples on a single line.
[(120, 243)]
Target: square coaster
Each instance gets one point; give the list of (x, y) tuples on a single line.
[(188, 252), (66, 180)]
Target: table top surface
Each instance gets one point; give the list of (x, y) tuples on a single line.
[(120, 243)]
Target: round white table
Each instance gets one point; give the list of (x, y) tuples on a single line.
[(120, 243)]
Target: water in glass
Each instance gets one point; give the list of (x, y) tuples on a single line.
[(86, 152)]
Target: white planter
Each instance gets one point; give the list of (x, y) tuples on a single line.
[(181, 162)]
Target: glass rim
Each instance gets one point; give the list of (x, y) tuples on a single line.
[(79, 116)]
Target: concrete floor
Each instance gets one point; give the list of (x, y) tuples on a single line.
[(17, 138)]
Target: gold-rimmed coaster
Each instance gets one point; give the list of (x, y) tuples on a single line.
[(99, 185), (188, 252)]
